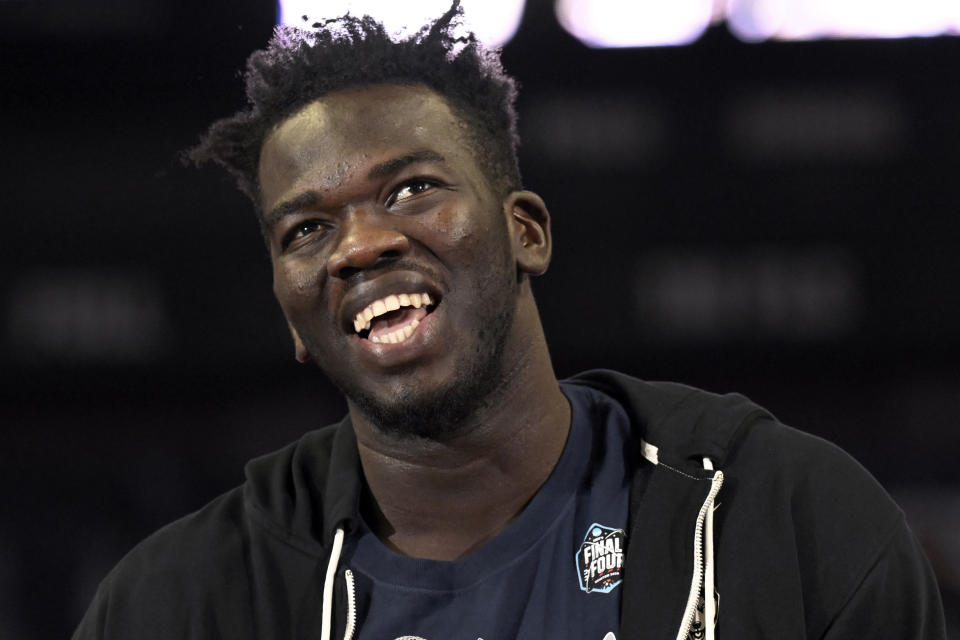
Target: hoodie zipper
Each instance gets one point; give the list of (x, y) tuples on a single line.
[(698, 568), (351, 625)]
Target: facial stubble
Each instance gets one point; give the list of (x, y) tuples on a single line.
[(444, 411)]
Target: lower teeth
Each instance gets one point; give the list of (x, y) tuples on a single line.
[(397, 336)]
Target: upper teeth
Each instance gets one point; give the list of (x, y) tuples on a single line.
[(391, 303)]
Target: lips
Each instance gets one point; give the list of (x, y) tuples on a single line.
[(388, 308), (394, 318), (392, 302)]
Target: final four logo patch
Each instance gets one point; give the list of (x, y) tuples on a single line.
[(600, 559)]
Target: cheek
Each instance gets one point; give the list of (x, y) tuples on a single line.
[(451, 228), (471, 230), (295, 285)]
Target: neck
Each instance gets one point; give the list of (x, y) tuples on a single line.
[(443, 498)]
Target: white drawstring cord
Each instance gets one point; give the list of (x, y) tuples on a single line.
[(325, 623), (709, 588), (704, 522)]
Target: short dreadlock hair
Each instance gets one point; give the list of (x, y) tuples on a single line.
[(299, 66)]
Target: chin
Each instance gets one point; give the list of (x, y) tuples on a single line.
[(435, 416), (411, 410), (437, 413)]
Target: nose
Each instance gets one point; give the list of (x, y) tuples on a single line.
[(365, 240)]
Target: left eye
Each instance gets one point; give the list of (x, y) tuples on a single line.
[(409, 190)]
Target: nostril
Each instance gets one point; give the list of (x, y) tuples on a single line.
[(346, 272)]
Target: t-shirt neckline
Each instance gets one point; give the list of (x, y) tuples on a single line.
[(370, 556)]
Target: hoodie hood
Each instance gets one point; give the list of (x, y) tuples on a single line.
[(685, 424), (807, 542), (307, 497), (306, 490), (688, 435)]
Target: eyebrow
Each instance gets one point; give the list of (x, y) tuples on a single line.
[(396, 164), (382, 170), (306, 199)]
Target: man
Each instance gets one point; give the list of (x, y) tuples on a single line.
[(468, 494)]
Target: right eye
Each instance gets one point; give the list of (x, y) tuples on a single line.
[(303, 230)]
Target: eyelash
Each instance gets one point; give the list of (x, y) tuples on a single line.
[(392, 199), (295, 233), (310, 226)]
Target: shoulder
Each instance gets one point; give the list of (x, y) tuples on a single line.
[(769, 467), (817, 487), (207, 538), (800, 516), (801, 528), (198, 576), (742, 438), (164, 587)]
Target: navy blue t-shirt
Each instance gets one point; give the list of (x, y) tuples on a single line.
[(554, 572)]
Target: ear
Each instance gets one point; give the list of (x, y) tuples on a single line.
[(300, 352), (529, 224)]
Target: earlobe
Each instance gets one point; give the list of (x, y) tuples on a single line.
[(300, 352), (529, 223)]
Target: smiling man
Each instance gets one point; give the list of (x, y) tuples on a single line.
[(401, 267), (468, 493)]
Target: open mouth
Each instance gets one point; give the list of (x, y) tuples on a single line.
[(394, 318)]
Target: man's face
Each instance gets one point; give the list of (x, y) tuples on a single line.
[(373, 199)]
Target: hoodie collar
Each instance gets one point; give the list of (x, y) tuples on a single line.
[(684, 423), (308, 489)]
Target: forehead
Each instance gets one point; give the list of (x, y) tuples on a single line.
[(337, 135)]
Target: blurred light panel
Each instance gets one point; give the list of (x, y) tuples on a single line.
[(816, 124), (759, 293), (86, 317), (634, 23), (493, 21), (753, 20), (615, 131)]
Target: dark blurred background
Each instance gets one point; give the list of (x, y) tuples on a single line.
[(775, 218)]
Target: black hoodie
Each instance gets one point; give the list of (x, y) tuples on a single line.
[(784, 533)]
